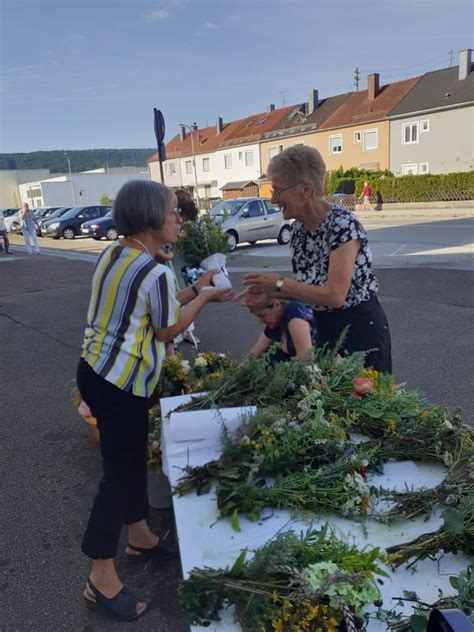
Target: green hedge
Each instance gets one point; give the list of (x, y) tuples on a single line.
[(421, 188)]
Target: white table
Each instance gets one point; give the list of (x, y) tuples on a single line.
[(193, 438)]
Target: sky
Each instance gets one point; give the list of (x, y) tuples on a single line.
[(83, 74)]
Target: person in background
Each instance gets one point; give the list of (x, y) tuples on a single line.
[(331, 260), (28, 228), (290, 323), (133, 312), (366, 195), (4, 235)]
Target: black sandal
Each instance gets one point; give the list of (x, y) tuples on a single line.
[(122, 607), (161, 551)]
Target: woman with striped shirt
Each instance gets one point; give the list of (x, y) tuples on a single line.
[(133, 312)]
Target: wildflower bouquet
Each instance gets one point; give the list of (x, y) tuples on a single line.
[(204, 244), (339, 488), (206, 368), (268, 442), (306, 582)]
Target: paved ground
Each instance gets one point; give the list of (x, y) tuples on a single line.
[(49, 464)]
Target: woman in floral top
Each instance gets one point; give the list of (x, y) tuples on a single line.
[(331, 259)]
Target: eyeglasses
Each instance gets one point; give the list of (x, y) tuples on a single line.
[(279, 190)]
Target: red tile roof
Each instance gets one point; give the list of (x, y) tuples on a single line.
[(247, 130), (358, 109)]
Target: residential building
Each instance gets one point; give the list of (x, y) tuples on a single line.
[(432, 127), (299, 126), (357, 133)]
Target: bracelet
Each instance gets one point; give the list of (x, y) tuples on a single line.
[(195, 290)]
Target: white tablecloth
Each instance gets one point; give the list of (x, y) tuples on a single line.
[(193, 438)]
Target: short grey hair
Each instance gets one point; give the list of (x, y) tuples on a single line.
[(299, 165), (141, 205)]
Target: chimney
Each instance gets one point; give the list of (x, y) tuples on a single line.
[(219, 125), (271, 108), (312, 101), (195, 127), (373, 88), (182, 132), (465, 64)]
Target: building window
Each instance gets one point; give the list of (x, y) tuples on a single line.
[(298, 144), (189, 166), (370, 139), (357, 137), (409, 133), (410, 170), (205, 164), (424, 126), (166, 167), (249, 158), (228, 161), (424, 167), (335, 144), (172, 168), (207, 190), (272, 151)]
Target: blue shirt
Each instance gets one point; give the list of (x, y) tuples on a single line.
[(293, 309)]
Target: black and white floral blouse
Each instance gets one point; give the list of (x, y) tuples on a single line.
[(310, 251)]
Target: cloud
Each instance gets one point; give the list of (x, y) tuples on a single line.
[(207, 28), (157, 15), (210, 26)]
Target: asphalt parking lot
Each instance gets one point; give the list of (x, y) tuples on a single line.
[(49, 463)]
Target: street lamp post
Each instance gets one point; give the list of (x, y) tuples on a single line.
[(191, 129), (70, 180)]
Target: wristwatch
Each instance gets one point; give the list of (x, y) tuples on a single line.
[(280, 283)]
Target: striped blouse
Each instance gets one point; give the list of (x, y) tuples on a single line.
[(131, 294)]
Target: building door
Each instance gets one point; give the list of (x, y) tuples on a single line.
[(410, 170)]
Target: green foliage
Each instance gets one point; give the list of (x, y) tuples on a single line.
[(417, 188), (81, 160), (200, 239), (105, 200)]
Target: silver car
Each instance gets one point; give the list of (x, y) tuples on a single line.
[(250, 219)]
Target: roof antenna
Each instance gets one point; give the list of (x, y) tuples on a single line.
[(283, 92)]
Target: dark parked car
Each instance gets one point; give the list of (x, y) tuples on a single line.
[(50, 216), (102, 227), (69, 224)]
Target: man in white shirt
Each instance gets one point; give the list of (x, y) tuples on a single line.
[(4, 234)]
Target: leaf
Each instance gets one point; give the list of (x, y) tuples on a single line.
[(453, 521), (418, 623), (239, 564), (373, 411), (454, 582), (234, 521)]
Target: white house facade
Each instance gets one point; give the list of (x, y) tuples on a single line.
[(233, 164)]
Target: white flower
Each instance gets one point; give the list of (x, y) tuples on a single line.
[(200, 362), (245, 440), (155, 445), (186, 366), (448, 424)]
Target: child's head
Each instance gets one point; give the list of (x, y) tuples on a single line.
[(269, 311)]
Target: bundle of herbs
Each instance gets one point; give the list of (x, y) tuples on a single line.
[(339, 488), (269, 442), (312, 581), (201, 239)]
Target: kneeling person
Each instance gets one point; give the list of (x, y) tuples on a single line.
[(290, 323)]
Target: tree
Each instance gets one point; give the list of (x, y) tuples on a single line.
[(105, 200)]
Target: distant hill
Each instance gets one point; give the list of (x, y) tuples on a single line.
[(81, 159)]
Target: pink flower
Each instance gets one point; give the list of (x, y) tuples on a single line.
[(363, 385), (84, 410), (356, 395)]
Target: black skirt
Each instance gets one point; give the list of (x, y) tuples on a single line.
[(368, 331)]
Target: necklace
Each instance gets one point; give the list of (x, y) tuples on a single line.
[(141, 244)]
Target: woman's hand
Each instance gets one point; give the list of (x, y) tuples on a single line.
[(206, 279), (261, 283), (247, 298), (217, 295)]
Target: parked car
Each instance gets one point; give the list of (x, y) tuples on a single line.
[(69, 224), (251, 219), (50, 216), (102, 227), (11, 218)]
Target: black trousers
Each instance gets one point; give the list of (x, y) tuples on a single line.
[(122, 419), (368, 330)]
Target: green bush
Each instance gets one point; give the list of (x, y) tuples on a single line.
[(420, 188)]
